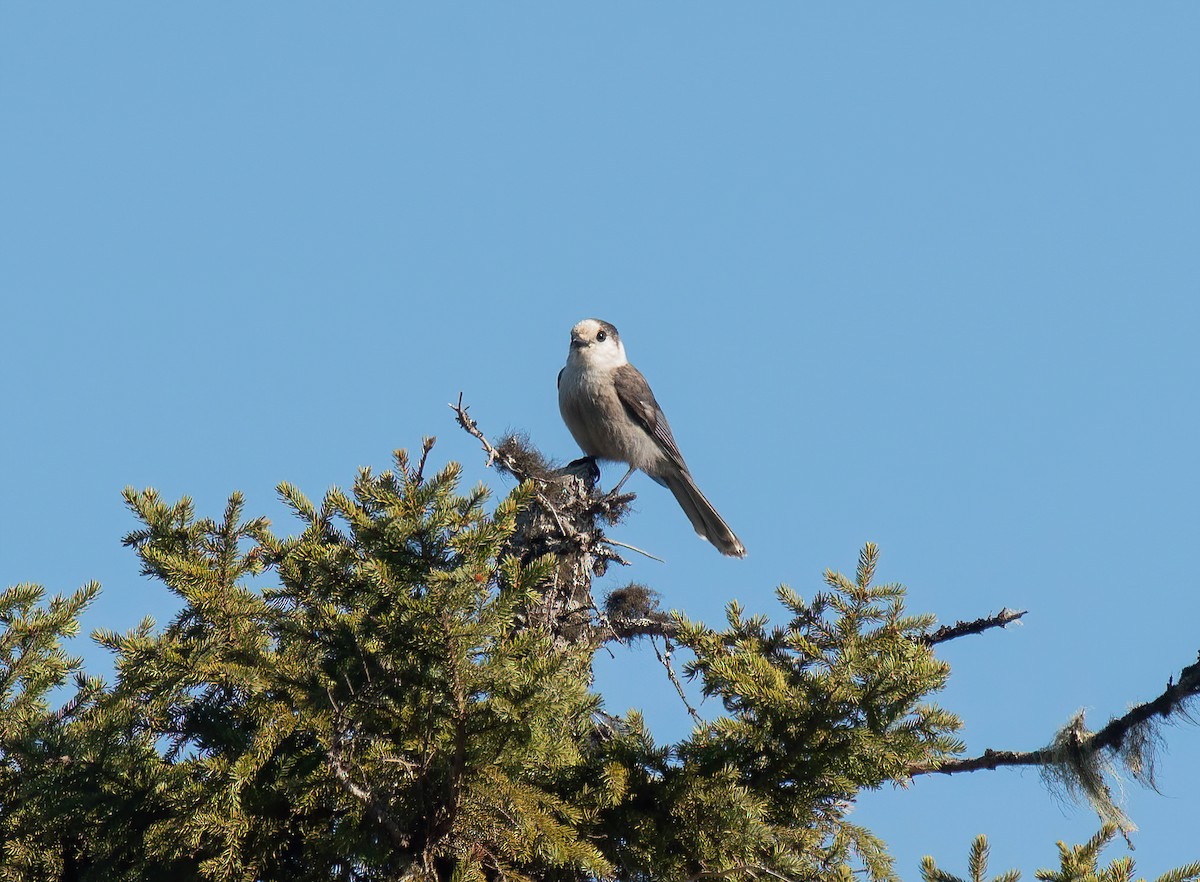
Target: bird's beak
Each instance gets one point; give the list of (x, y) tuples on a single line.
[(577, 342)]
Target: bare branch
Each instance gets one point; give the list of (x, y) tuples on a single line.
[(1171, 699), (1111, 737), (472, 427), (665, 657), (1003, 618), (426, 446), (989, 759), (627, 627), (634, 548)]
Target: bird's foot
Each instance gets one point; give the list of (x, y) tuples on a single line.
[(585, 468)]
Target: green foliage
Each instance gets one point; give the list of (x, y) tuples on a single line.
[(374, 715), (977, 865), (816, 710), (1079, 863), (368, 700)]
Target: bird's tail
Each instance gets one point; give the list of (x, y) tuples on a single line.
[(705, 520)]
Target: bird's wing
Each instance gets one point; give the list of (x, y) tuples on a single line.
[(558, 382), (634, 393)]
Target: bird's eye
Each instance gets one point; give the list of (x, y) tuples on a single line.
[(601, 336)]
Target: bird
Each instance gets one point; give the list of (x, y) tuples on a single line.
[(612, 414)]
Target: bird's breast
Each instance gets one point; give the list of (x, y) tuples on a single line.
[(598, 421), (580, 400)]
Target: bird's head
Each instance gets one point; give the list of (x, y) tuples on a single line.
[(597, 344)]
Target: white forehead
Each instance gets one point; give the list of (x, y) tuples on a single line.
[(587, 329)]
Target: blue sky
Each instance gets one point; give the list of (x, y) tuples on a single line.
[(922, 274)]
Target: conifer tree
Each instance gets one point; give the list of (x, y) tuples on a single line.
[(403, 691), (1079, 863)]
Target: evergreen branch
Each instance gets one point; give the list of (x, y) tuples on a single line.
[(1186, 873), (367, 797), (750, 869), (1003, 618), (1111, 737), (375, 806)]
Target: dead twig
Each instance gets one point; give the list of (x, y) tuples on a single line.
[(665, 657), (634, 548), (1001, 619), (472, 427)]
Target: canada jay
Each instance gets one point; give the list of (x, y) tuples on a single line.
[(609, 408)]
